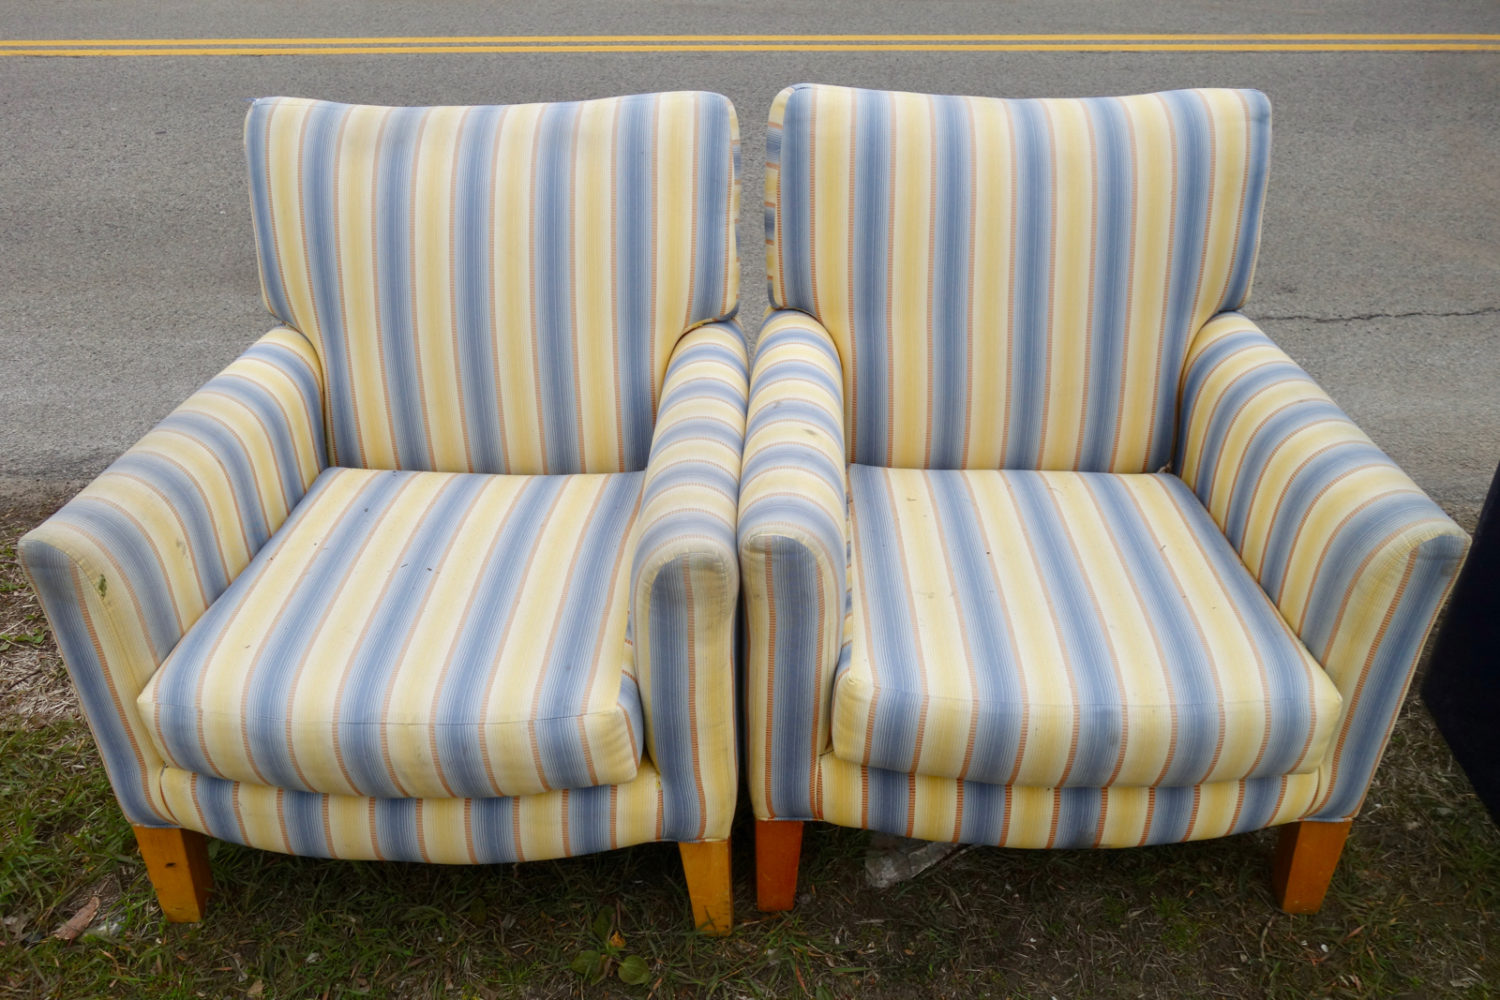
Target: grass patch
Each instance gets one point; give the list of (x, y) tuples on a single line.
[(1410, 914)]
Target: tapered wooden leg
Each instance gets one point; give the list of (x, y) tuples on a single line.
[(707, 868), (1306, 856), (177, 861), (778, 848)]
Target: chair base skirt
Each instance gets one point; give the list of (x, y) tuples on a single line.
[(177, 863), (557, 824), (448, 831)]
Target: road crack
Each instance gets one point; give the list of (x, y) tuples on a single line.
[(1360, 317)]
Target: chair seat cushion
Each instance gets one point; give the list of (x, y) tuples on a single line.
[(1064, 629), (413, 634)]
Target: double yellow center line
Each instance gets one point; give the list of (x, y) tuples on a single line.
[(488, 44)]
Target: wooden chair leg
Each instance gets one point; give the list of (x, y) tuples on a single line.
[(707, 868), (778, 848), (1306, 856), (177, 861)]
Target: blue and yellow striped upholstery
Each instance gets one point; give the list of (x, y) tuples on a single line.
[(411, 634), (495, 289), (1006, 312), (558, 824), (128, 565), (1029, 816), (1064, 630), (541, 294), (794, 550), (684, 582), (1013, 284), (1354, 554)]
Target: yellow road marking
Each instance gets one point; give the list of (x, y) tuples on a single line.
[(496, 44), (789, 39)]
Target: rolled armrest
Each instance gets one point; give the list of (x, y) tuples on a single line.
[(793, 544), (685, 582), (1353, 553), (128, 565)]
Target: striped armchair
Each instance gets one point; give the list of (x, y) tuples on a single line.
[(442, 568), (1043, 543)]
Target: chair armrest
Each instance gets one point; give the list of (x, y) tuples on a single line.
[(129, 564), (793, 544), (1353, 553), (684, 582)]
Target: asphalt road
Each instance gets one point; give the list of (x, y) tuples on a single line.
[(127, 278)]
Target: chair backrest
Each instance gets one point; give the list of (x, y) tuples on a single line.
[(495, 289), (1013, 284)]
